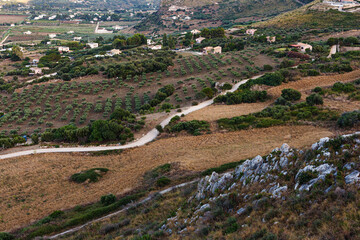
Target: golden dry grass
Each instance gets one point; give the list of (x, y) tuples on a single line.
[(35, 186)]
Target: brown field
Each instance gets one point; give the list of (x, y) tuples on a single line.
[(11, 18), (35, 186)]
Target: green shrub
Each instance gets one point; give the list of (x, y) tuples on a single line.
[(194, 127), (343, 87), (267, 67), (226, 86), (290, 94), (6, 236), (349, 119), (317, 89), (107, 199), (92, 175), (313, 72), (159, 128), (305, 177), (314, 99), (241, 96), (163, 181)]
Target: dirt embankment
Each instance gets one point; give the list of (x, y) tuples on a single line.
[(35, 186)]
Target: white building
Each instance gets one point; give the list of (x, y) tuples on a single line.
[(156, 47), (195, 31), (302, 46), (36, 70), (150, 42), (70, 32), (52, 35), (28, 33), (92, 45), (251, 31), (63, 49), (77, 38), (213, 50)]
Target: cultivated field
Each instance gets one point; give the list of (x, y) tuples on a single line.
[(94, 97), (4, 18), (35, 186)]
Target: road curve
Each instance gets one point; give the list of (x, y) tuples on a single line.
[(150, 136)]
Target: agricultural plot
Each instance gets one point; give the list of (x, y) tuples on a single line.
[(4, 18), (40, 31), (49, 105)]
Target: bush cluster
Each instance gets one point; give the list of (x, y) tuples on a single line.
[(241, 96)]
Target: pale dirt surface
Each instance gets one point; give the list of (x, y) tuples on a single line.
[(34, 186), (215, 112)]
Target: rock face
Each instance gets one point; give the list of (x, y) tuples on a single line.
[(321, 172), (284, 171), (352, 177)]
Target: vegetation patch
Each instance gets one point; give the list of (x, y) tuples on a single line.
[(278, 115), (91, 175)]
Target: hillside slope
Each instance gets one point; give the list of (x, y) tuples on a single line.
[(185, 14), (288, 194), (313, 15)]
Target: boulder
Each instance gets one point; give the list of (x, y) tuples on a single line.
[(352, 177)]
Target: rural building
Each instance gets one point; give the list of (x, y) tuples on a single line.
[(52, 35), (115, 52), (200, 39), (103, 31), (77, 38), (251, 31), (70, 32), (195, 31), (270, 39), (208, 50), (302, 46), (156, 47), (117, 27), (63, 49), (217, 49), (35, 71), (92, 45), (150, 42), (28, 33)]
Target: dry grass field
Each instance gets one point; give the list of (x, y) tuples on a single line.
[(35, 186)]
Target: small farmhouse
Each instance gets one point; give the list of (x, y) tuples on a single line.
[(62, 49), (251, 31), (92, 45), (195, 31), (302, 46), (156, 47), (213, 50)]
